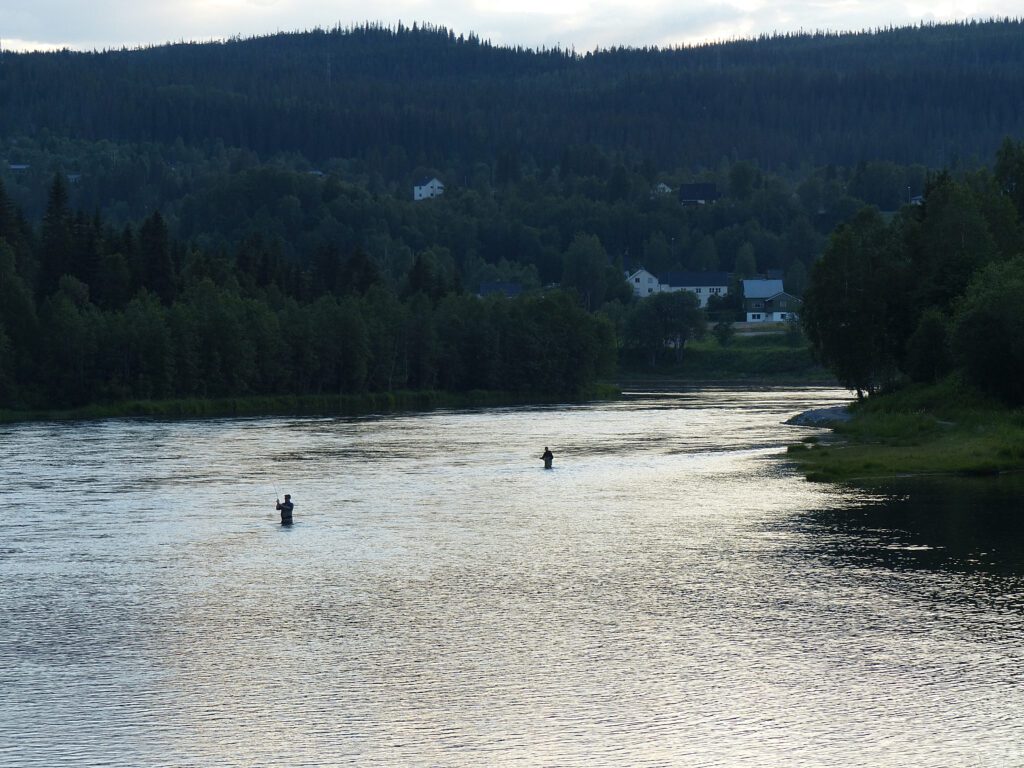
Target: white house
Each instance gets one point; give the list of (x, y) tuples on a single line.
[(427, 188), (643, 283), (703, 284), (764, 301)]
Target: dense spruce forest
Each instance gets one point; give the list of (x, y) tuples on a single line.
[(205, 220), (91, 314), (395, 98)]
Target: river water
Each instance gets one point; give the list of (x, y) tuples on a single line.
[(671, 594)]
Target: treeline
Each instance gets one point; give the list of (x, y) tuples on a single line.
[(394, 99), (934, 292), (89, 313)]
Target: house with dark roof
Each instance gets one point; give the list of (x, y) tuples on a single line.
[(765, 301), (698, 194), (703, 284), (427, 188)]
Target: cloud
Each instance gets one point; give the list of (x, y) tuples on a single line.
[(583, 24)]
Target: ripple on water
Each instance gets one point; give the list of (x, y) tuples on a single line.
[(667, 596)]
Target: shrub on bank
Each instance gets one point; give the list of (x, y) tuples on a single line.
[(945, 428)]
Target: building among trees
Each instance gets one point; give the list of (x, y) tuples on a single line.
[(427, 188), (765, 301), (703, 285)]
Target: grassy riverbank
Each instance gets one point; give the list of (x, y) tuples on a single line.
[(943, 429), (769, 357), (299, 405)]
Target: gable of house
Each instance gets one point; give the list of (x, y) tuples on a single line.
[(782, 302), (643, 283), (774, 308), (427, 187)]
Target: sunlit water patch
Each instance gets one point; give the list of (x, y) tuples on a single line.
[(670, 594)]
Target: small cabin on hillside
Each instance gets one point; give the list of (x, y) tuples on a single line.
[(427, 188)]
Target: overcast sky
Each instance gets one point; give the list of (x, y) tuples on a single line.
[(89, 24)]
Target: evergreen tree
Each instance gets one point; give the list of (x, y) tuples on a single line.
[(57, 242), (154, 257), (1009, 170)]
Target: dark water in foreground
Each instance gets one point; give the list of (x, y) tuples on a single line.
[(670, 594)]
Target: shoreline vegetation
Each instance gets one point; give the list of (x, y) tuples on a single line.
[(768, 359), (920, 430), (771, 357), (302, 405), (919, 313)]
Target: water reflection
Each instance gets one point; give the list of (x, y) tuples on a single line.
[(964, 525), (669, 595)]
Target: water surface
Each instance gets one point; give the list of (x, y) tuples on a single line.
[(670, 594)]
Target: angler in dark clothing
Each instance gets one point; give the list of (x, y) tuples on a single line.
[(548, 457), (286, 509)]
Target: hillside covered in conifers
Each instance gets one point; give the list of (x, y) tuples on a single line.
[(315, 139), (191, 214), (389, 98)]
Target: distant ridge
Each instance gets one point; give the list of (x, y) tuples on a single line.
[(940, 94)]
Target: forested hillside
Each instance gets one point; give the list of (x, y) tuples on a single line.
[(92, 314), (393, 99), (236, 218)]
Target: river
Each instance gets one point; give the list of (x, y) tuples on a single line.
[(670, 594)]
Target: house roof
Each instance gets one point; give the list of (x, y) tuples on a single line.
[(761, 289), (695, 279), (781, 294), (426, 180)]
